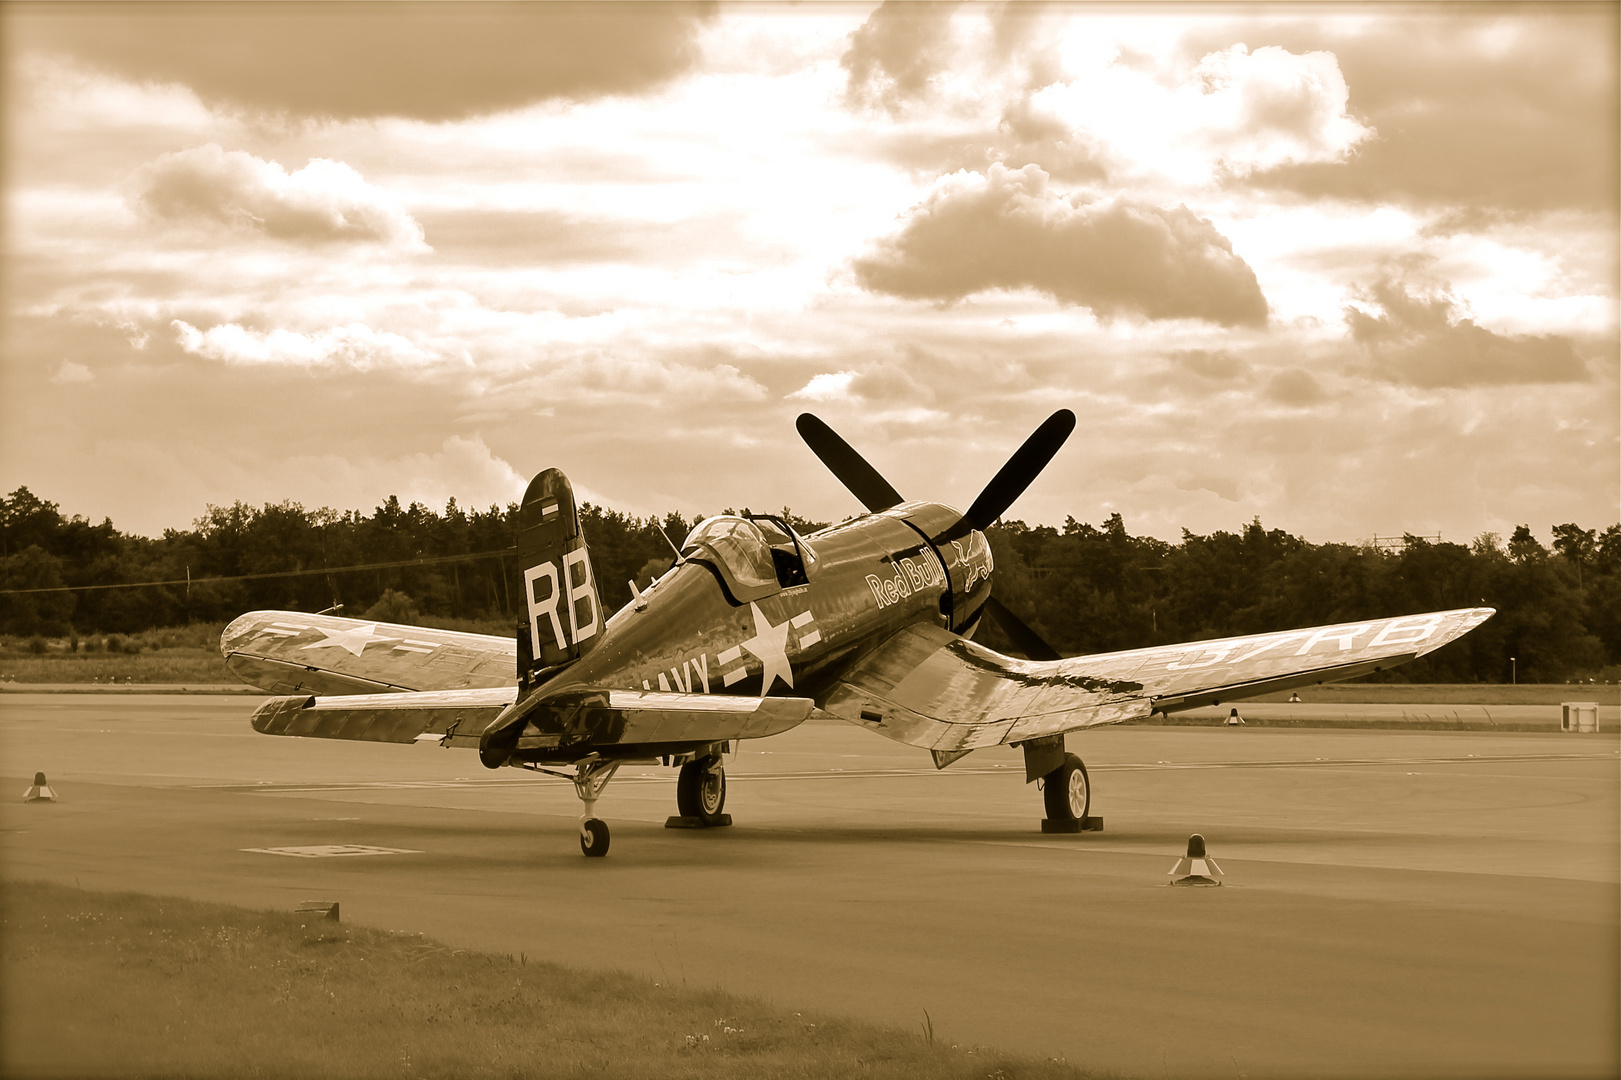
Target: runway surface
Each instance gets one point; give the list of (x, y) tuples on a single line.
[(1397, 902)]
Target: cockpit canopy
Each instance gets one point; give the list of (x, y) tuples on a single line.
[(736, 545), (755, 555)]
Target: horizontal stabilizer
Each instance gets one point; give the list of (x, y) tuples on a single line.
[(400, 718), (597, 718), (644, 718)]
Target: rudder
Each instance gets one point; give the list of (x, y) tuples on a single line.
[(564, 613)]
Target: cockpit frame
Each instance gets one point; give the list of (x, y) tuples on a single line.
[(739, 549)]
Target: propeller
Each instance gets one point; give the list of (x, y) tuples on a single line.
[(1019, 632), (877, 494), (851, 468), (1021, 469)]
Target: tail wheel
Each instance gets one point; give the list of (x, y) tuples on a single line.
[(1067, 791), (700, 790), (594, 838)]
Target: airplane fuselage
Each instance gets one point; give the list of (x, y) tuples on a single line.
[(699, 630)]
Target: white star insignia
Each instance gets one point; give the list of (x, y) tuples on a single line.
[(354, 639), (770, 644)]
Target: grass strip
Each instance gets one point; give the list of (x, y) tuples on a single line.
[(131, 985), (199, 666)]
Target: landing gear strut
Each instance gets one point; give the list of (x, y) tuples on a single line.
[(590, 777), (700, 795)]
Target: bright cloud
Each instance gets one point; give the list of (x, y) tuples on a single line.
[(1237, 112), (827, 386), (356, 346)]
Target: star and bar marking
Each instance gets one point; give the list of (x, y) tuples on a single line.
[(769, 645), (352, 640)]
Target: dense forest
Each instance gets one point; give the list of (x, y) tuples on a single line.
[(1084, 588)]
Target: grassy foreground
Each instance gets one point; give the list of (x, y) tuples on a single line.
[(124, 984)]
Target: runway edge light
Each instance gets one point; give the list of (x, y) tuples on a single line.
[(1196, 867), (40, 791)]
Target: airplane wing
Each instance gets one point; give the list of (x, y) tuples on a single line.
[(289, 652), (599, 718), (928, 687)]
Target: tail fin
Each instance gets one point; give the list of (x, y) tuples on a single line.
[(565, 616)]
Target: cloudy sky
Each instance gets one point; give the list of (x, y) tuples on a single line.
[(1349, 269)]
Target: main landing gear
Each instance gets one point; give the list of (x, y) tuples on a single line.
[(1065, 788), (700, 795)]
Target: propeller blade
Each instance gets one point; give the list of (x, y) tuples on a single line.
[(1018, 631), (1021, 469), (850, 467)]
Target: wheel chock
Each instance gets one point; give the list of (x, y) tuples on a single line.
[(1196, 867), (689, 821), (1071, 825), (40, 791)]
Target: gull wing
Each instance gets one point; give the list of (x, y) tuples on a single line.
[(568, 725), (290, 652), (928, 687)]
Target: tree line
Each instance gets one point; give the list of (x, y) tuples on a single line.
[(1085, 589)]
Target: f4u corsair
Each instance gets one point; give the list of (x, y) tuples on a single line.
[(754, 629)]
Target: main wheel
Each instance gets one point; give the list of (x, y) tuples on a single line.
[(1067, 791), (594, 838), (700, 790)]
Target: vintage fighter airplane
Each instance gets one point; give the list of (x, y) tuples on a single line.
[(755, 628)]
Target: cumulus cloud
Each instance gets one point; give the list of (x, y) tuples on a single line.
[(1236, 112), (897, 51), (1479, 107), (428, 62), (1423, 340), (826, 386), (1270, 107), (355, 346), (69, 373), (322, 202), (463, 468), (1005, 229)]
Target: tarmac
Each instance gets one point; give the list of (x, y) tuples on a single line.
[(1396, 902)]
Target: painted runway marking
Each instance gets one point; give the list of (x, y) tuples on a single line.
[(331, 851)]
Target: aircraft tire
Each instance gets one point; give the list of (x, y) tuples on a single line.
[(594, 838), (700, 791), (1067, 791)]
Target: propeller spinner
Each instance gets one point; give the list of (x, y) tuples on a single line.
[(877, 494)]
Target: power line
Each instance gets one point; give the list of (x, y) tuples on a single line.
[(189, 581)]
